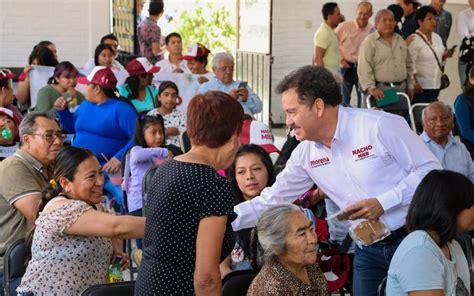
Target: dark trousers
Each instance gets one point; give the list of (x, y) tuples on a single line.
[(427, 96), (349, 81)]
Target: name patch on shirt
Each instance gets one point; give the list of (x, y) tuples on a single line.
[(362, 152), (320, 162)]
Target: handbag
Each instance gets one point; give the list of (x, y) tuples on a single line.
[(444, 77)]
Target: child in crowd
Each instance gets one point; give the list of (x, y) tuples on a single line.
[(62, 83), (197, 61), (175, 120), (138, 88), (251, 171)]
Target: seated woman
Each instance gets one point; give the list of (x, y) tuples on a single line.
[(61, 84), (74, 240), (103, 123), (175, 120), (287, 249), (138, 88), (189, 209), (197, 62), (251, 171), (41, 55), (464, 110), (429, 261), (6, 93), (103, 56)]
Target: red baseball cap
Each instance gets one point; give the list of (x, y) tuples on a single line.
[(101, 76), (258, 133), (140, 66), (196, 50), (6, 74)]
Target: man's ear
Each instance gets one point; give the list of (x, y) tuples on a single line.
[(319, 106)]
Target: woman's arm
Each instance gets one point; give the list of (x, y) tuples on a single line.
[(207, 276), (139, 154), (225, 267), (97, 223), (23, 92)]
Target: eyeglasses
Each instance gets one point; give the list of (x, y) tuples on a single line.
[(51, 137), (226, 69)]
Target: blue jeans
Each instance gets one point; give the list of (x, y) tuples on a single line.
[(371, 266), (349, 81)]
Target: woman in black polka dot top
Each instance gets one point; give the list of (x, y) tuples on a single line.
[(190, 207)]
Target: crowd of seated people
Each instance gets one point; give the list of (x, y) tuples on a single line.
[(51, 193)]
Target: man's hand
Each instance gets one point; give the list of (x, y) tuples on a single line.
[(370, 209), (202, 79), (411, 93), (377, 93), (235, 93), (316, 197), (345, 64), (244, 94)]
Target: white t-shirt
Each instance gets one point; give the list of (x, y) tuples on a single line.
[(167, 67), (419, 264)]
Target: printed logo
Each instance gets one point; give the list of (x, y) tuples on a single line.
[(362, 153), (320, 162), (266, 134)]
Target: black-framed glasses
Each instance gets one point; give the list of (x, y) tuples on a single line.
[(51, 136)]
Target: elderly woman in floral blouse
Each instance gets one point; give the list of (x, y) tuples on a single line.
[(288, 253)]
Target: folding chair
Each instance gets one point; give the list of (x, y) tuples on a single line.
[(15, 262), (401, 108), (184, 142), (117, 289), (236, 283), (416, 121), (126, 178), (146, 184)]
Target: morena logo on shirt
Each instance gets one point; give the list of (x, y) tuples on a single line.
[(320, 162), (266, 134), (362, 152)]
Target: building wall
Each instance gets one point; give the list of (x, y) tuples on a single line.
[(75, 26), (293, 28)]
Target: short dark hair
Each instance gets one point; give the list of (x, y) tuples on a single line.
[(174, 34), (264, 157), (213, 118), (143, 122), (328, 9), (45, 43), (437, 202), (108, 36), (28, 124), (98, 51), (423, 11), (44, 55), (156, 7), (310, 83)]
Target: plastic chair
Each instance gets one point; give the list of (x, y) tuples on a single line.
[(184, 142), (416, 112), (117, 289), (236, 283), (401, 108), (15, 262), (146, 184)]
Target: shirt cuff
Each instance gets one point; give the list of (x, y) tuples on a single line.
[(388, 200)]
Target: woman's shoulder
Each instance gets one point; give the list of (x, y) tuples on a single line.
[(47, 90)]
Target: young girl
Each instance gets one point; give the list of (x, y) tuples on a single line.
[(250, 173), (175, 120)]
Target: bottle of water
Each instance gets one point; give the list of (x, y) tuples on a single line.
[(115, 275)]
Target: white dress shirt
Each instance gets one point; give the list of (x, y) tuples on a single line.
[(167, 67), (373, 154), (466, 22), (425, 66)]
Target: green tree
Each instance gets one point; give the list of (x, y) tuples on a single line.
[(209, 25)]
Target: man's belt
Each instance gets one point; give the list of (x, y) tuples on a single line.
[(396, 83)]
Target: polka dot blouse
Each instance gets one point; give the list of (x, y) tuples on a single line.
[(181, 195)]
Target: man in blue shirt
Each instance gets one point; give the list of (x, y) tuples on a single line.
[(223, 67), (437, 125)]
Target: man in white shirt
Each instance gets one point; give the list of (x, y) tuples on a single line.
[(437, 125), (465, 28), (368, 162)]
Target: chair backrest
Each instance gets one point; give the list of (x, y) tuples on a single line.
[(382, 287), (14, 265), (146, 184), (116, 289), (125, 162), (416, 112), (184, 142), (236, 283)]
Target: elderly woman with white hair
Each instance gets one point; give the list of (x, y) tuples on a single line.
[(223, 68), (287, 249)]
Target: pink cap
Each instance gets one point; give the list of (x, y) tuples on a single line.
[(100, 75), (258, 133), (196, 50), (140, 66)]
